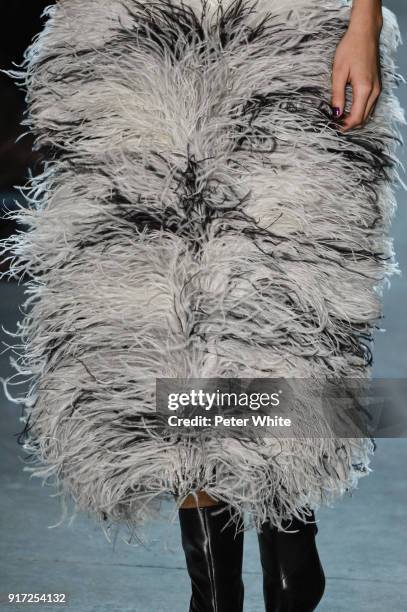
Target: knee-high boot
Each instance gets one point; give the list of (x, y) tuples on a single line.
[(214, 557), (293, 577)]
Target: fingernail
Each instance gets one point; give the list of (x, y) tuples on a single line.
[(336, 111)]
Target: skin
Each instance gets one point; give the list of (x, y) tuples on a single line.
[(356, 62), (202, 500)]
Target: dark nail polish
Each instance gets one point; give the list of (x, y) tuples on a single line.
[(336, 111)]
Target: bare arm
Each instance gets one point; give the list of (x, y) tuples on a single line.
[(357, 62)]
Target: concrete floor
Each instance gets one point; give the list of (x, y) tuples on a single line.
[(362, 540)]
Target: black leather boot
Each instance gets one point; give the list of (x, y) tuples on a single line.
[(214, 556), (293, 577)]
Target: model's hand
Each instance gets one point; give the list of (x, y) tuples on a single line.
[(356, 61)]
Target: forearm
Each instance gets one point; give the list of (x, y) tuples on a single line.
[(367, 16)]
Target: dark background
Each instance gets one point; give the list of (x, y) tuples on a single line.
[(20, 20)]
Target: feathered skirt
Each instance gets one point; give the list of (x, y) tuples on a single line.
[(199, 214)]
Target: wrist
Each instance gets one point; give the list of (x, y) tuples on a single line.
[(366, 16)]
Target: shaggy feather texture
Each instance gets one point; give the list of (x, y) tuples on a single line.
[(199, 215)]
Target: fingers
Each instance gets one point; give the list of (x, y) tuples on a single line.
[(339, 80), (364, 97), (371, 103), (360, 95)]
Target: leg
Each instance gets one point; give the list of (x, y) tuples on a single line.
[(202, 500), (293, 578), (214, 556)]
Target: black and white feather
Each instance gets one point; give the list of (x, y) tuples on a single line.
[(199, 215)]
